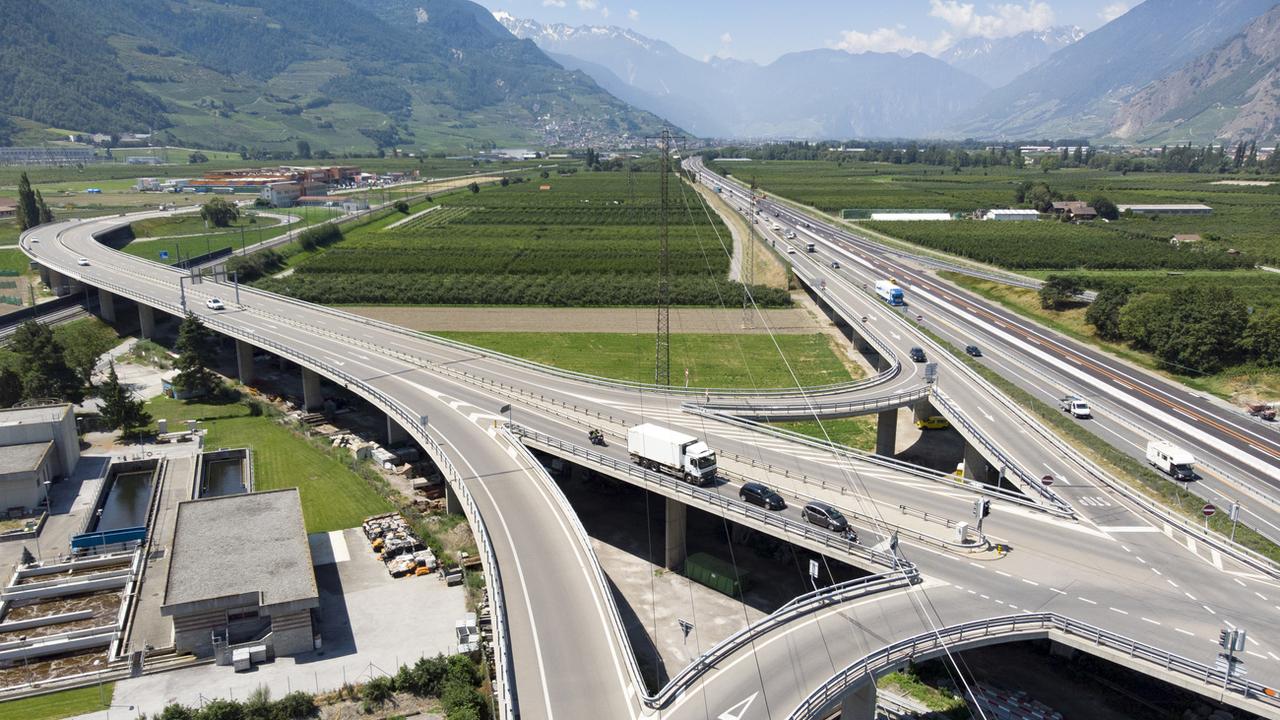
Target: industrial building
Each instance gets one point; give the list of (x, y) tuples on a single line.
[(1175, 209), (1008, 214), (240, 576), (47, 155), (37, 444), (8, 208)]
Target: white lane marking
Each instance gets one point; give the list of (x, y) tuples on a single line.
[(1085, 599), (1239, 582), (1171, 582), (988, 416), (1273, 655), (1030, 582), (1149, 620), (737, 711), (1211, 612), (1122, 612), (1139, 557), (1260, 595), (1257, 655), (1184, 632), (1193, 597), (1128, 529), (984, 597), (1057, 591), (1156, 571), (1001, 572), (1217, 558)]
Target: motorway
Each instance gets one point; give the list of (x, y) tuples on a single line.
[(1114, 566), (1238, 456)]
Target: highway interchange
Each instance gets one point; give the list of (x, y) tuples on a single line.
[(1115, 566)]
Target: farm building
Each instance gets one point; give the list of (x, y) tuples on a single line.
[(240, 573), (1075, 210), (1192, 209), (8, 208), (1007, 214)]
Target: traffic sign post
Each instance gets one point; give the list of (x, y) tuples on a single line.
[(1234, 514), (1208, 510)]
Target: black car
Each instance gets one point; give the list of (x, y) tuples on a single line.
[(917, 354), (835, 264), (973, 350), (762, 495), (820, 513)]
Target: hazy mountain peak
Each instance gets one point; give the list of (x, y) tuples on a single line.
[(997, 61)]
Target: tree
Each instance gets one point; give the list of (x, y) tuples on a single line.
[(28, 212), (1049, 162), (1058, 290), (1104, 312), (401, 207), (219, 212), (1106, 209), (474, 188), (46, 215), (45, 373), (82, 345), (10, 388), (1146, 320), (119, 408), (304, 149), (198, 157), (1207, 329), (27, 557), (544, 174), (1262, 337), (194, 347), (505, 181)]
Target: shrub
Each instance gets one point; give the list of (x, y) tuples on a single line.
[(377, 692), (401, 207), (295, 706)]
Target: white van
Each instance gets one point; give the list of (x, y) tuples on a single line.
[(1171, 460)]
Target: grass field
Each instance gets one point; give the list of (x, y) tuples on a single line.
[(856, 432), (590, 239), (725, 361), (193, 224), (333, 497), (54, 706), (246, 234), (1244, 218), (12, 259)]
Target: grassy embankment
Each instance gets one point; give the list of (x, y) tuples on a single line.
[(58, 705)]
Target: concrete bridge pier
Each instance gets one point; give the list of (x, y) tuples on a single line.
[(677, 521), (975, 465), (887, 432), (54, 280), (106, 305), (395, 433), (312, 399), (923, 410), (146, 321), (452, 504), (244, 362), (860, 704)]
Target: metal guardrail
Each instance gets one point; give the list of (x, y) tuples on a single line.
[(786, 526), (842, 408), (824, 698)]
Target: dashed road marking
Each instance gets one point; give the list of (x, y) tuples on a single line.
[(1260, 595), (1171, 582), (1030, 582), (1257, 655), (1211, 612), (1085, 599), (1153, 622), (1239, 582), (1156, 571), (1122, 612), (1185, 632), (1001, 572), (1060, 592)]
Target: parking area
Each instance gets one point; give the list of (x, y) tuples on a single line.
[(370, 623)]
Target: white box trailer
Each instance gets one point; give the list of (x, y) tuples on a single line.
[(890, 292), (1171, 460), (675, 453)]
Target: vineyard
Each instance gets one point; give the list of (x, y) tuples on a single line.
[(1244, 218), (1055, 245), (590, 240)]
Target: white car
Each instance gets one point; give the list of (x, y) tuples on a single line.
[(791, 250), (82, 261), (214, 304)]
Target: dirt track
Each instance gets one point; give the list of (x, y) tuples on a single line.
[(620, 320)]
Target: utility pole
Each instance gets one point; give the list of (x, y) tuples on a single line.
[(662, 360), (747, 274)]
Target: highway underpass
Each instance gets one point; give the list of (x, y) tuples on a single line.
[(1116, 566)]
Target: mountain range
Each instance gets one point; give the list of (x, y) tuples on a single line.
[(997, 61), (340, 74)]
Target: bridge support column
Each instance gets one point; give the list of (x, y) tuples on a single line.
[(106, 305), (395, 433), (311, 398), (887, 432), (146, 321), (55, 281), (452, 504), (975, 466), (923, 410), (677, 527), (244, 362), (860, 704)]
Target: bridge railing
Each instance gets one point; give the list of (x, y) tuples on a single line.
[(823, 699), (754, 409), (787, 526)]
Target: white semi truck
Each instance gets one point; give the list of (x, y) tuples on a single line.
[(890, 292), (675, 453), (1171, 460)]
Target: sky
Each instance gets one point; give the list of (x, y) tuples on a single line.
[(761, 30)]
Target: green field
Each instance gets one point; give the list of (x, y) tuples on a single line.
[(720, 361), (14, 260), (193, 224), (856, 432), (333, 497), (58, 705), (244, 235), (1244, 218), (591, 239)]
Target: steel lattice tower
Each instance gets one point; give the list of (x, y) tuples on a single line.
[(662, 359)]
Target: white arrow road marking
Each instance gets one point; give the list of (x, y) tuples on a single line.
[(737, 711), (896, 336), (336, 361), (986, 415)]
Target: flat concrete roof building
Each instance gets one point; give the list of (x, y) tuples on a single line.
[(1010, 214), (1175, 209), (23, 471), (45, 423), (241, 574)]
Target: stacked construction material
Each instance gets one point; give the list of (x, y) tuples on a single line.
[(398, 546)]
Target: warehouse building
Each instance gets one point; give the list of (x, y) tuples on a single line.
[(1193, 209), (240, 576), (24, 470), (37, 445)]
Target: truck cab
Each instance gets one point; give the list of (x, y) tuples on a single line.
[(1075, 405)]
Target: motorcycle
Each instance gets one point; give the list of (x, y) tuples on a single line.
[(851, 535), (596, 437)]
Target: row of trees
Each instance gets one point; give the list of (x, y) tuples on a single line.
[(1199, 330), (1042, 197), (32, 210)]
